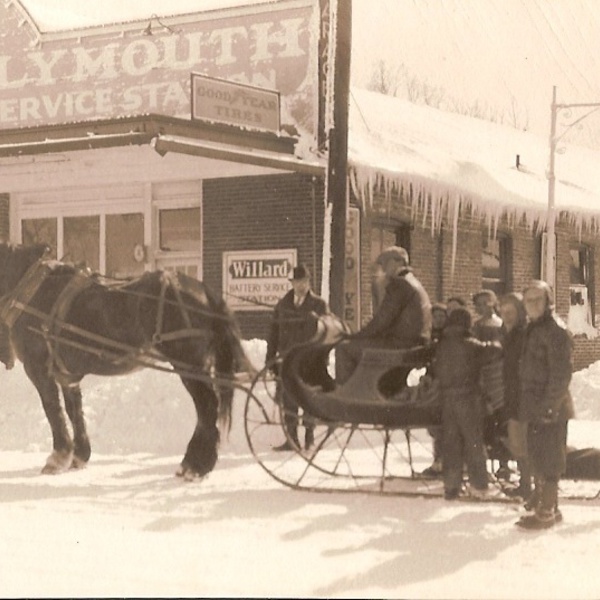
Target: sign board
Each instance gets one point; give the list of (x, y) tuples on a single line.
[(257, 279), (352, 270), (221, 101), (120, 69)]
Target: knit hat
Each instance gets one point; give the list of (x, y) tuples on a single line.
[(395, 252), (460, 317), (488, 293)]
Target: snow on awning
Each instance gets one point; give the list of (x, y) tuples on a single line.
[(169, 143), (164, 134), (450, 161)]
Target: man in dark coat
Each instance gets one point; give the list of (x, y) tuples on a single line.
[(457, 362), (546, 406), (294, 323), (402, 320)]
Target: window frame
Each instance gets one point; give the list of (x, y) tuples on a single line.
[(504, 283)]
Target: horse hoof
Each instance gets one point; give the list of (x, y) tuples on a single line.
[(58, 462), (51, 470), (188, 474), (78, 463)]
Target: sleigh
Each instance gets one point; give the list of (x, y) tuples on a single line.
[(370, 433), (365, 430)]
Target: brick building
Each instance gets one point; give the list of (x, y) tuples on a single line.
[(469, 199)]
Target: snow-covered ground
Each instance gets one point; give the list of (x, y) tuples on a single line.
[(125, 526)]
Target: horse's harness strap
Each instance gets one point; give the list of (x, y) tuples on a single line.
[(172, 283), (55, 320), (11, 305)]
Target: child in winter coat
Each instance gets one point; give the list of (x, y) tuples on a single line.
[(457, 365)]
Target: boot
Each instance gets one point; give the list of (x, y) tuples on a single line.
[(523, 490), (291, 427), (544, 516), (309, 438), (534, 498)]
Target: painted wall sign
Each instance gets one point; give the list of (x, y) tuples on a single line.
[(234, 103), (257, 279), (352, 272), (87, 75)]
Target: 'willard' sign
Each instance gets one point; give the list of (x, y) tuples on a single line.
[(257, 280)]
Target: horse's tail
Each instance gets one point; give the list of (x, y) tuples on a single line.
[(230, 359)]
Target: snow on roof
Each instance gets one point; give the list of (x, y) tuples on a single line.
[(64, 15), (453, 160)]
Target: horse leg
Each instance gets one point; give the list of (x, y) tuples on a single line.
[(73, 404), (201, 454), (62, 445)]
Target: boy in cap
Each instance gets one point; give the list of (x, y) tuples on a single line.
[(292, 325), (457, 363)]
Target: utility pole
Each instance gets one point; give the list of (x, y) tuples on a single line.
[(337, 167), (555, 138), (550, 257)]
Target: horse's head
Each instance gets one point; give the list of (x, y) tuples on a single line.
[(14, 262)]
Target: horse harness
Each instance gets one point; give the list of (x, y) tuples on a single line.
[(17, 302)]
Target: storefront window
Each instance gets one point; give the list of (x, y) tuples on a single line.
[(44, 231), (496, 263), (81, 242), (179, 229), (125, 254), (581, 286)]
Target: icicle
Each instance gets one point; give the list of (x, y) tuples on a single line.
[(454, 237)]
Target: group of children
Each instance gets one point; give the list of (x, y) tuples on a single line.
[(477, 366)]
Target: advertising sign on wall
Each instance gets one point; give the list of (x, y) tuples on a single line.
[(221, 101), (352, 270), (257, 279), (127, 69)]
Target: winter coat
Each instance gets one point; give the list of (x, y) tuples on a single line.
[(513, 344), (458, 360), (488, 330), (404, 315), (545, 371), (293, 325)]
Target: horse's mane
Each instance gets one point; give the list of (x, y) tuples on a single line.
[(15, 260)]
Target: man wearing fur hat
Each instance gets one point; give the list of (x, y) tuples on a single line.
[(546, 406), (402, 319)]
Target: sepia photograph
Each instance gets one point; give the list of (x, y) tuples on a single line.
[(298, 299)]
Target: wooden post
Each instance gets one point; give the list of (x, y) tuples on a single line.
[(337, 192), (550, 257)]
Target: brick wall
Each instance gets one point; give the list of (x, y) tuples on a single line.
[(261, 213), (287, 211), (443, 276)]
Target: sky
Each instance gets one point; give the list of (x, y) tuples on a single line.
[(505, 55), (125, 526)]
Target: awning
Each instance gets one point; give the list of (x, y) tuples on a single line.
[(168, 143), (164, 134)]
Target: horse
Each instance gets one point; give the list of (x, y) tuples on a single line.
[(66, 322)]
